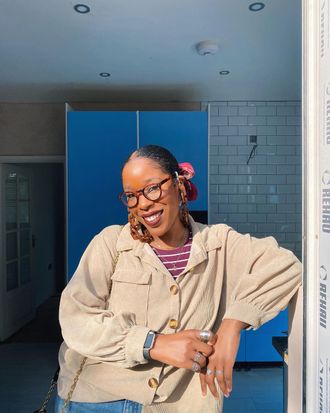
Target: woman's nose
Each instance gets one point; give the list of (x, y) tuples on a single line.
[(144, 203)]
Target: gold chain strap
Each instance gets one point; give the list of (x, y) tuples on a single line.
[(49, 394), (74, 384), (75, 380)]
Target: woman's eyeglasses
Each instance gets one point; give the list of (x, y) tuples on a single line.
[(152, 192)]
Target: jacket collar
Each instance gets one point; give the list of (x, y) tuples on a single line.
[(205, 239)]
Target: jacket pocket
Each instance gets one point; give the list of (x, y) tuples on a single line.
[(130, 293)]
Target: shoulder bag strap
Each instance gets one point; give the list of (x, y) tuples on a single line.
[(83, 361)]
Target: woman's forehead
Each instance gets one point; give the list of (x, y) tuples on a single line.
[(141, 171)]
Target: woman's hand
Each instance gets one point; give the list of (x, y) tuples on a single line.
[(221, 362), (179, 349)]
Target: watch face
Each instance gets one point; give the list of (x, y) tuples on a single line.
[(150, 340), (148, 344)]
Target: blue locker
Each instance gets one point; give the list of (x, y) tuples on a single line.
[(185, 134), (98, 143), (259, 343)]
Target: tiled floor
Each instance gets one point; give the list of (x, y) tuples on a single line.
[(25, 373), (29, 360)]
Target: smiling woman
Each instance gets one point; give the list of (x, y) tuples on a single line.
[(180, 294)]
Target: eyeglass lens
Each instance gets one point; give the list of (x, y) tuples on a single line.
[(152, 193)]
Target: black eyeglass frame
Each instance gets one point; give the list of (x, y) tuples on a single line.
[(140, 192)]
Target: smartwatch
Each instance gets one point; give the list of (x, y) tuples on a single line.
[(149, 343)]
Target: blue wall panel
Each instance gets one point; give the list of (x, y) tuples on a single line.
[(97, 145), (259, 343), (185, 134)]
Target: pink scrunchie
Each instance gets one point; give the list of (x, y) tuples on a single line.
[(187, 171)]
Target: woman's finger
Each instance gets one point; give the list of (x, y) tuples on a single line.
[(195, 367), (213, 340), (204, 348), (228, 377), (199, 358), (205, 336), (210, 376), (219, 374), (202, 380)]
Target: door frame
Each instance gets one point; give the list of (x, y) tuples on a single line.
[(316, 155), (25, 159)]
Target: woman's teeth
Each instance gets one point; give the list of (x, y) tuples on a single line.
[(152, 218)]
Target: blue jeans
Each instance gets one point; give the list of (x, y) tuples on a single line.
[(118, 406)]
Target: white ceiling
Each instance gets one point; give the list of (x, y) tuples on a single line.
[(50, 53)]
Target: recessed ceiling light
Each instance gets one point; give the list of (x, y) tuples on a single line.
[(224, 72), (82, 8), (105, 74), (256, 6)]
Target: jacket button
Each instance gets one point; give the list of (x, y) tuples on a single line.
[(153, 383), (174, 289), (173, 323)]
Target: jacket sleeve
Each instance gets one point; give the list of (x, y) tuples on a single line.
[(88, 326), (261, 278)]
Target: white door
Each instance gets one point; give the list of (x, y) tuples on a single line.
[(16, 305)]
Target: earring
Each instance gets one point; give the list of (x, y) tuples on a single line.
[(185, 215), (137, 230), (184, 211), (135, 226)]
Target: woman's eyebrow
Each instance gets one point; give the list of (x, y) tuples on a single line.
[(152, 179), (146, 183)]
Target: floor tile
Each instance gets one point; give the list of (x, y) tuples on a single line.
[(25, 374)]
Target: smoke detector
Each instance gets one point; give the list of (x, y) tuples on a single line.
[(207, 47)]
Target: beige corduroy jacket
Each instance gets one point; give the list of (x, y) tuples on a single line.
[(229, 275)]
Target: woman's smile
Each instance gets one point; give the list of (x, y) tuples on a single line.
[(153, 218)]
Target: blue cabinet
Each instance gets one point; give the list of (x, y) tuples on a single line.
[(259, 343), (98, 143), (185, 135), (256, 346)]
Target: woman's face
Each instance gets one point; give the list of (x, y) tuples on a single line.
[(159, 217)]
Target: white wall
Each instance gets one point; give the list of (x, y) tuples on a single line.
[(32, 129), (264, 197)]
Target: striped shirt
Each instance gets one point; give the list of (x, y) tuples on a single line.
[(175, 260)]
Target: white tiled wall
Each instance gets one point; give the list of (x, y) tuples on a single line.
[(264, 196)]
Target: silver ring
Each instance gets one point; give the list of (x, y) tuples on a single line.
[(205, 335), (195, 367), (218, 372), (197, 356), (209, 372)]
